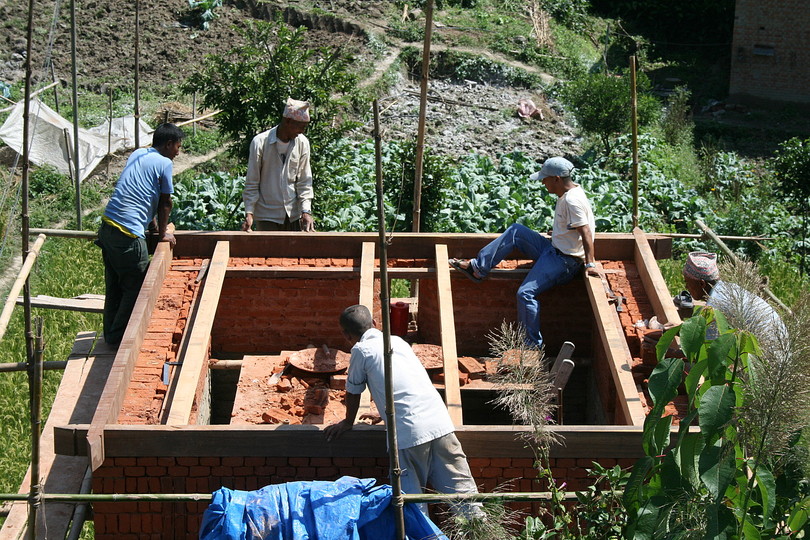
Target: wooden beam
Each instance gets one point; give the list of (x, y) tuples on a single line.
[(653, 281), (367, 276), (362, 441), (114, 391), (193, 366), (609, 246), (616, 350), (88, 303), (452, 394)]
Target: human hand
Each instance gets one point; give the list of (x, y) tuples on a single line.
[(336, 430), (595, 270), (307, 223), (248, 223), (168, 237), (373, 418)]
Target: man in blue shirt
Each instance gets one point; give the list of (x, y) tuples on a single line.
[(142, 201)]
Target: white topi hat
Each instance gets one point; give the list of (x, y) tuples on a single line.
[(297, 110)]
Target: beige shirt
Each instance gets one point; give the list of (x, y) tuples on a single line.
[(278, 183), (572, 210)]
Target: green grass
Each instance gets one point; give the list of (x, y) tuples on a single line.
[(59, 258)]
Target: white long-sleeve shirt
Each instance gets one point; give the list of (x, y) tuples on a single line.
[(279, 178)]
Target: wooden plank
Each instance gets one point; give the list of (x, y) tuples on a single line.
[(609, 246), (76, 400), (367, 273), (367, 276), (653, 281), (452, 394), (114, 391), (616, 351), (90, 303), (307, 272), (565, 353), (196, 354), (362, 441)]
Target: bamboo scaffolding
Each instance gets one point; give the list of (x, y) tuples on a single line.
[(390, 424), (730, 254), (206, 497), (20, 284)]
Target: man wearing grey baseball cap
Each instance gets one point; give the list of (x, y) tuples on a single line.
[(558, 260)]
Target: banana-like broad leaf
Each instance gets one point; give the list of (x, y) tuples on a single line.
[(635, 484), (664, 342), (720, 354), (717, 468), (693, 335), (767, 490), (800, 516), (715, 410)]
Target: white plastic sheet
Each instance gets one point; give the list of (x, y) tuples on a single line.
[(49, 145)]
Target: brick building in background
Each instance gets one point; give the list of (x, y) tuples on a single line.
[(770, 57)]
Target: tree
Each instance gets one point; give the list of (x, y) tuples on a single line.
[(250, 85), (601, 104), (791, 168)]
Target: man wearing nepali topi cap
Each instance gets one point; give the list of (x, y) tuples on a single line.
[(278, 186), (742, 308)]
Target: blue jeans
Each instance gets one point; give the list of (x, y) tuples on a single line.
[(550, 268)]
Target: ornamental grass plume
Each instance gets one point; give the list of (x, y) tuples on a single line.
[(776, 385), (523, 382)]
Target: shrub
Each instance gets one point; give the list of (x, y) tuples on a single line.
[(251, 83), (601, 104)]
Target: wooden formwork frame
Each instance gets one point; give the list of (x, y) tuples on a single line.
[(432, 247)]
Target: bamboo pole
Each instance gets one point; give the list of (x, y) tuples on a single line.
[(390, 424), (35, 394), (634, 123), (77, 180), (64, 233), (33, 94), (23, 366), (730, 254), (20, 284), (137, 113), (420, 133), (205, 497), (198, 118)]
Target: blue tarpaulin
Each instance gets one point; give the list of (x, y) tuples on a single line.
[(347, 509)]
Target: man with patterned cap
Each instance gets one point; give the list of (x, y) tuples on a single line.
[(742, 308), (278, 186), (558, 260)]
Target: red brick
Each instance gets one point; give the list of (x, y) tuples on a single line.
[(210, 461), (188, 461), (501, 462), (199, 471), (134, 471), (255, 461), (566, 462), (233, 461), (491, 472), (178, 471)]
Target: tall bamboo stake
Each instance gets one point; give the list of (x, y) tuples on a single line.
[(35, 386), (390, 425), (29, 346), (420, 133), (137, 113), (634, 122), (77, 179)]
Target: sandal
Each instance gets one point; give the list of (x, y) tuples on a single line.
[(468, 272)]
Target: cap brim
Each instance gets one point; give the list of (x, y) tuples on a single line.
[(535, 176)]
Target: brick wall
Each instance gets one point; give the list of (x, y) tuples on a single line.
[(479, 308), (770, 58), (162, 520)]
